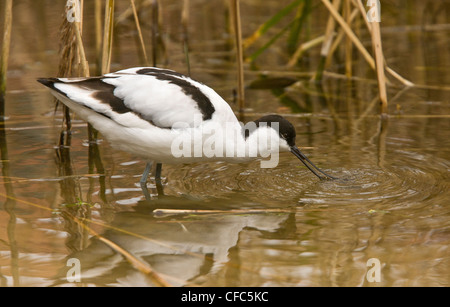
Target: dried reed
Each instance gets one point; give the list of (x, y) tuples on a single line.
[(72, 56), (107, 37), (379, 60), (236, 16), (342, 19), (5, 54), (185, 33), (98, 34), (155, 31), (138, 27)]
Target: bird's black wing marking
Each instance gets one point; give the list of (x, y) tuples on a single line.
[(203, 102), (102, 92), (157, 71)]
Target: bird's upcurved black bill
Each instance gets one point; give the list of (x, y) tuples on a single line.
[(311, 167)]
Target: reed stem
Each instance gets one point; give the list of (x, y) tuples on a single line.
[(98, 34), (350, 33), (82, 56), (5, 54), (360, 6), (348, 43), (327, 43), (185, 34), (379, 60), (235, 9), (338, 40), (107, 37), (302, 48), (138, 27), (155, 17)]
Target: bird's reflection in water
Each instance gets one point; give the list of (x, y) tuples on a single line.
[(186, 249)]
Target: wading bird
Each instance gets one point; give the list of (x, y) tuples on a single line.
[(166, 117)]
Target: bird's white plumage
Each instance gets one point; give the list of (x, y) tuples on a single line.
[(167, 102), (160, 113), (158, 101), (84, 96), (166, 117)]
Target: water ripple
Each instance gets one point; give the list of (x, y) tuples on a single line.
[(409, 178)]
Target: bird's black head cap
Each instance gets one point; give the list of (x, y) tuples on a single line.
[(285, 128)]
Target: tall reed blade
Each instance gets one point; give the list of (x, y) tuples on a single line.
[(379, 60), (348, 43), (393, 73), (5, 54), (328, 40), (98, 34), (266, 46), (303, 11), (339, 37), (185, 33), (107, 37), (81, 54), (349, 32), (72, 56), (138, 27), (235, 11), (302, 48), (271, 22), (155, 17)]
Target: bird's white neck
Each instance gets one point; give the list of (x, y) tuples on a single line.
[(246, 143), (230, 142)]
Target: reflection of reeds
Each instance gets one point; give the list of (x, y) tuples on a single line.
[(5, 53), (140, 265), (9, 204)]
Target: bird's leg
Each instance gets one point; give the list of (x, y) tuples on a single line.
[(147, 170), (143, 180), (159, 187)]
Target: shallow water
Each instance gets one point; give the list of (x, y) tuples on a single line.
[(260, 227)]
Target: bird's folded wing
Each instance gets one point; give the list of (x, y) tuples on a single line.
[(160, 97)]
